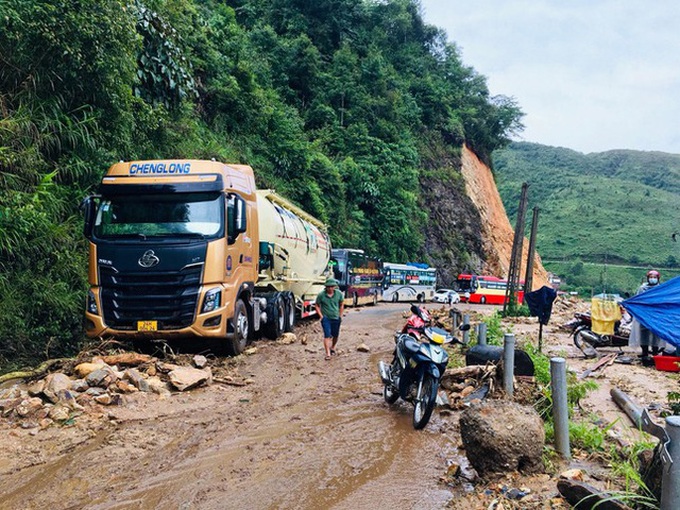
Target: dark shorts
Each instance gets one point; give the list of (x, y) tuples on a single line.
[(331, 327)]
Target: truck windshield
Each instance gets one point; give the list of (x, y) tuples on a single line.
[(171, 215)]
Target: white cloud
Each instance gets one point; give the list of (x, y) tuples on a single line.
[(591, 76)]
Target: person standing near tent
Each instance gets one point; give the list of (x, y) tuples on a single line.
[(640, 335)]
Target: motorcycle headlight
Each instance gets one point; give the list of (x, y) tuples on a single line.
[(92, 303), (212, 300), (438, 338)]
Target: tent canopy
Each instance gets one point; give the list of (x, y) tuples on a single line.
[(658, 309)]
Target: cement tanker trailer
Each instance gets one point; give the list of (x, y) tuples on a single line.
[(189, 248)]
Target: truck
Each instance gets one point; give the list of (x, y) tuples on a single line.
[(190, 248)]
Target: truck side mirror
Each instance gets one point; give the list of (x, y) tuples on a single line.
[(241, 223), (237, 222), (89, 208)]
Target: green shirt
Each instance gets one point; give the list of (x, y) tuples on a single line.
[(330, 305)]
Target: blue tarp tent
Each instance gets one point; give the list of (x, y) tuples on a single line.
[(658, 309)]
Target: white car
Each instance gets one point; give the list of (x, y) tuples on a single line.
[(446, 296)]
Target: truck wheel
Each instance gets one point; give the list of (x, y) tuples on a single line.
[(237, 344), (375, 299), (355, 300), (395, 297), (290, 312), (421, 298), (483, 300), (276, 318)]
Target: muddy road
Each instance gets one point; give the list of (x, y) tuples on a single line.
[(282, 428), (304, 433)]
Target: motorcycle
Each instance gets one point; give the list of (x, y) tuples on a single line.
[(588, 341), (418, 365)]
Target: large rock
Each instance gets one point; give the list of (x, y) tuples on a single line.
[(586, 497), (29, 406), (137, 379), (54, 383), (185, 378), (200, 361), (501, 436), (84, 369), (102, 377), (159, 387), (60, 413)]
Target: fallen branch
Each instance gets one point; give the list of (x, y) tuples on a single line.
[(465, 372), (34, 373), (131, 359), (605, 360), (457, 375)]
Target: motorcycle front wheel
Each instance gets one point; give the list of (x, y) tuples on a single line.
[(390, 394), (424, 404)]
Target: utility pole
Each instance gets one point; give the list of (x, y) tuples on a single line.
[(529, 277), (516, 256)]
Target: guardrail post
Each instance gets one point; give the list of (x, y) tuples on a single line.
[(670, 484), (454, 320), (481, 336), (466, 334), (508, 363), (558, 385)]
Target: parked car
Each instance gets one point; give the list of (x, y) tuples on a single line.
[(446, 296)]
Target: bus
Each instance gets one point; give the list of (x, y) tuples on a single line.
[(485, 289), (360, 277), (409, 282)]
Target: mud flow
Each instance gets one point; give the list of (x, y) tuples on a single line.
[(281, 428), (305, 433)]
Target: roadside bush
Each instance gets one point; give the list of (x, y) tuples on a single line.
[(494, 329)]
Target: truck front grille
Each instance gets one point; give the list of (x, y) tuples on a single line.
[(169, 298)]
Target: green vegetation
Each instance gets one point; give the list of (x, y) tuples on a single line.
[(612, 208), (589, 278), (494, 329), (344, 106), (674, 402)]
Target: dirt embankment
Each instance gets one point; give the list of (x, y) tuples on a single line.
[(497, 232)]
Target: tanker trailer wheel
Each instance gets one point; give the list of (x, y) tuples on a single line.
[(276, 317), (290, 312), (237, 344)]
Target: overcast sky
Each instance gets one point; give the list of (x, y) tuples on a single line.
[(589, 75)]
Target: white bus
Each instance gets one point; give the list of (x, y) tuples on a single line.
[(408, 282)]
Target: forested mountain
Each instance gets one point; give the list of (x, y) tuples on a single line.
[(356, 109), (618, 206)]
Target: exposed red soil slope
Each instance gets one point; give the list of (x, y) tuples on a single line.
[(497, 232)]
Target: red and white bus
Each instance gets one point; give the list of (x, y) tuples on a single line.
[(485, 289)]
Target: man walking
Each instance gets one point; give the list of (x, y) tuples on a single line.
[(330, 306)]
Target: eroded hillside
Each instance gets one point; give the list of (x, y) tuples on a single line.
[(496, 231)]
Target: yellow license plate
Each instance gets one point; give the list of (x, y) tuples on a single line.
[(147, 325)]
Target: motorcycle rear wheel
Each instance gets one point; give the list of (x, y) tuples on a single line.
[(390, 394), (422, 410), (586, 348)]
